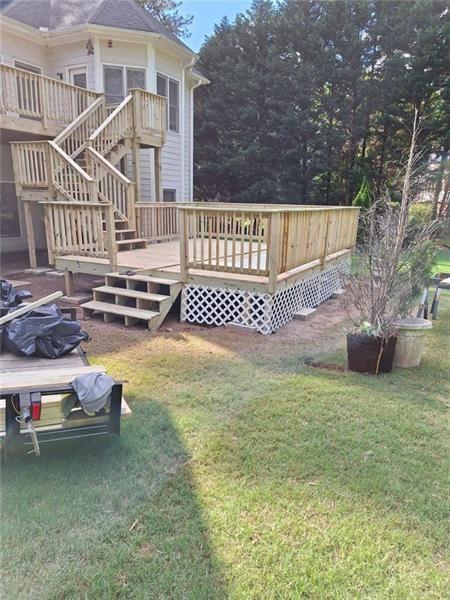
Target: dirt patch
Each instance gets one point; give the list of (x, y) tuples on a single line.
[(325, 329)]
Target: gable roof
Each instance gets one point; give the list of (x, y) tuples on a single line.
[(62, 14)]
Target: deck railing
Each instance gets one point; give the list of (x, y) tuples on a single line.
[(113, 186), (73, 139), (68, 178), (263, 240), (37, 97), (30, 163), (80, 228), (150, 112), (118, 125), (158, 221)]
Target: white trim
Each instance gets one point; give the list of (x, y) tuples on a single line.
[(80, 66), (28, 63), (98, 69)]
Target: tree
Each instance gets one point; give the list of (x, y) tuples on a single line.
[(308, 98), (167, 12), (363, 197)]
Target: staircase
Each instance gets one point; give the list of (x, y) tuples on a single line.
[(133, 299), (76, 174)]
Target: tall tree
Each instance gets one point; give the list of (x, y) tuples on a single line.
[(168, 13), (308, 97)]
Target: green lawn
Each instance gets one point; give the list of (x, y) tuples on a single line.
[(243, 473), (443, 257)]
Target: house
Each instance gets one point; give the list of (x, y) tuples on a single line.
[(104, 46), (96, 120)]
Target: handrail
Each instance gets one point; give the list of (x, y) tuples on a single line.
[(70, 161), (51, 79), (109, 165), (73, 138), (111, 118), (113, 186)]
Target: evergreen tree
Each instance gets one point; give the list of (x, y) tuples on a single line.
[(167, 12), (308, 97)]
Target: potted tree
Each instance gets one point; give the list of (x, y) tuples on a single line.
[(390, 266)]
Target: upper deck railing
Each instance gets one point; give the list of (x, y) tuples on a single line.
[(32, 96)]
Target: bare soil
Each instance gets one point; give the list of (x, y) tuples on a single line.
[(326, 327)]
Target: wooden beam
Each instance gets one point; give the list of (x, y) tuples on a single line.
[(30, 234), (273, 250), (23, 310), (158, 175), (136, 160), (69, 282)]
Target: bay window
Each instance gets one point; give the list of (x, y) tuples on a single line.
[(119, 80)]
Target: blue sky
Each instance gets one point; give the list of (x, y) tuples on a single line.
[(206, 14)]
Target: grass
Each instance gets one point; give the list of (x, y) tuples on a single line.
[(244, 474), (443, 257)]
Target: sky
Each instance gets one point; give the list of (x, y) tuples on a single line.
[(206, 14)]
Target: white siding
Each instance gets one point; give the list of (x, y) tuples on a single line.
[(62, 58), (17, 48), (171, 154), (133, 55)]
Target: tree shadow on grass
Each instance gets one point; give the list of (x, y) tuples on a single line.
[(108, 518)]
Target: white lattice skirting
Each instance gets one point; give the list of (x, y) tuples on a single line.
[(261, 311)]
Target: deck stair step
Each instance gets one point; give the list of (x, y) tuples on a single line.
[(127, 293), (130, 314), (123, 234), (135, 298), (131, 244)]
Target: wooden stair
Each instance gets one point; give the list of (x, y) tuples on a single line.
[(133, 298)]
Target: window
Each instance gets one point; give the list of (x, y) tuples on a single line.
[(114, 88), (27, 67), (169, 88), (78, 76), (135, 79), (119, 79), (9, 211), (169, 195)]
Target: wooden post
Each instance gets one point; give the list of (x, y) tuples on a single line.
[(325, 240), (49, 234), (184, 245), (43, 103), (131, 205), (158, 175), (136, 158), (273, 250), (69, 283), (30, 234), (111, 236)]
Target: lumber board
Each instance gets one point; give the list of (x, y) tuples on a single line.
[(30, 380), (23, 310)]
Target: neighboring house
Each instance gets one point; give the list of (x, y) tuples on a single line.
[(106, 46)]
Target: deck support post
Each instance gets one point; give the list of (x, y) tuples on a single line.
[(136, 159), (158, 175), (184, 245), (274, 250), (30, 234), (69, 283)]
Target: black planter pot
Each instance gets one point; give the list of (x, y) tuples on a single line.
[(366, 352)]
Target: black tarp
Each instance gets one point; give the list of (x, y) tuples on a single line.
[(44, 332)]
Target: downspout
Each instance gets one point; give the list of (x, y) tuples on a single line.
[(190, 64), (191, 140)]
